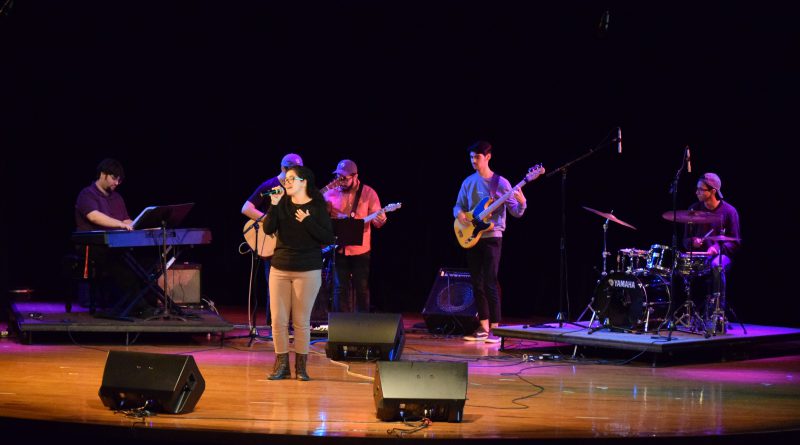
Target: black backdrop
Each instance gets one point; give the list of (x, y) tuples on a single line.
[(200, 100)]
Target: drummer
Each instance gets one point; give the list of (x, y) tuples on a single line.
[(717, 234)]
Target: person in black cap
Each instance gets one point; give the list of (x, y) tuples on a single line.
[(353, 199), (256, 208), (720, 238)]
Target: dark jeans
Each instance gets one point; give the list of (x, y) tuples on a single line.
[(483, 260), (351, 270)]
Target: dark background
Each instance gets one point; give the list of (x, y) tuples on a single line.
[(200, 100)]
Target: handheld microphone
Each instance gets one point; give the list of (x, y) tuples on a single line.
[(274, 191), (688, 160), (618, 140)]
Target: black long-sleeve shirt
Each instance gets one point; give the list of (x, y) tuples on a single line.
[(299, 244)]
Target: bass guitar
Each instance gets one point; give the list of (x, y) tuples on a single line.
[(469, 234), (264, 242)]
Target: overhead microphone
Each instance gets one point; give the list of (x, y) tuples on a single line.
[(274, 191), (688, 160), (618, 140), (602, 28)]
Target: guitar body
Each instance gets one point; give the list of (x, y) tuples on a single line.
[(469, 234), (266, 243)]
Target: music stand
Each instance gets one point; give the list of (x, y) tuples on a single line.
[(169, 216), (163, 217), (348, 231)]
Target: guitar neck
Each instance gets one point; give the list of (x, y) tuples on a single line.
[(501, 200)]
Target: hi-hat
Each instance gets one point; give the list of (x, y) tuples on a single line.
[(609, 217), (722, 238), (690, 216)]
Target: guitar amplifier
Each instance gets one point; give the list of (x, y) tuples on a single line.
[(184, 283), (451, 307)]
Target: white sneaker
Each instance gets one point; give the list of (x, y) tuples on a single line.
[(479, 335)]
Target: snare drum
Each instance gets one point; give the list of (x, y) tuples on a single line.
[(694, 263), (632, 301), (659, 259), (630, 259)]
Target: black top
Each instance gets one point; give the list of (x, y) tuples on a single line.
[(299, 244), (727, 224)]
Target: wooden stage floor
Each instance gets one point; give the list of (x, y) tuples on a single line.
[(49, 391)]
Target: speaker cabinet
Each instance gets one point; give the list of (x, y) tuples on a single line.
[(436, 390), (162, 382), (184, 283), (451, 307), (363, 336)]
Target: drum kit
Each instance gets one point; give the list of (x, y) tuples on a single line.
[(635, 296)]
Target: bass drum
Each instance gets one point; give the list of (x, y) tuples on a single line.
[(638, 301)]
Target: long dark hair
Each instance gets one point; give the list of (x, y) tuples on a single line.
[(311, 185)]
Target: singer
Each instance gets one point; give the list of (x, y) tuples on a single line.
[(302, 224), (258, 203), (720, 239)]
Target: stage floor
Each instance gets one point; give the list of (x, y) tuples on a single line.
[(49, 390)]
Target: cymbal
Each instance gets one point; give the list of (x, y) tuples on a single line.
[(690, 216), (723, 238), (610, 217)]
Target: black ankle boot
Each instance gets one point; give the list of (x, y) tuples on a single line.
[(300, 361), (281, 369)]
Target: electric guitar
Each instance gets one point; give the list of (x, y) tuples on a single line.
[(266, 243), (469, 234), (387, 209)]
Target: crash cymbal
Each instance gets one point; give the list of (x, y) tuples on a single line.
[(690, 216), (722, 238), (609, 217)]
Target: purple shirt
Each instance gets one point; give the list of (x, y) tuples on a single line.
[(90, 199)]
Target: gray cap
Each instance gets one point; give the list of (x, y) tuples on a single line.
[(713, 181), (291, 160)]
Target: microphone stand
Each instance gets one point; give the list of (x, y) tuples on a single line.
[(252, 331), (563, 291)]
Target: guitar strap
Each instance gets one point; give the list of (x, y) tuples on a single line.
[(355, 202), (493, 186)]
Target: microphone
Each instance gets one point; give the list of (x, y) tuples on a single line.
[(274, 191), (688, 160), (602, 28), (618, 140)]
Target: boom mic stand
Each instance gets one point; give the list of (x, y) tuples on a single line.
[(255, 265), (563, 291)]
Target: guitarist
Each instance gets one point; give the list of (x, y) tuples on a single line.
[(353, 199), (483, 258), (257, 205)]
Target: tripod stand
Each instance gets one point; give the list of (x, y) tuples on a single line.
[(609, 217), (165, 311), (255, 265), (563, 292), (687, 315)]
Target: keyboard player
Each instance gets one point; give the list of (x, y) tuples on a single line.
[(105, 278)]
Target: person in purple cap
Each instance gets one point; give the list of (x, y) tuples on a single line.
[(700, 237), (258, 203), (353, 199)]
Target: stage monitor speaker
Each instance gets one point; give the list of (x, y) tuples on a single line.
[(165, 383), (451, 307), (184, 283), (408, 390), (364, 336)]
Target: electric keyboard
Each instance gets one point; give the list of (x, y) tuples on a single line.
[(143, 238)]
